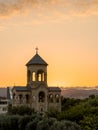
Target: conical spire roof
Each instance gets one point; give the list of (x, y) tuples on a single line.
[(36, 60)]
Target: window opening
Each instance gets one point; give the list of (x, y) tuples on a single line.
[(57, 98), (41, 97), (33, 76)]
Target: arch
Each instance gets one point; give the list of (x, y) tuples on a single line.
[(33, 98), (41, 96), (33, 76), (27, 98), (51, 98), (20, 98), (40, 75), (57, 98), (41, 109)]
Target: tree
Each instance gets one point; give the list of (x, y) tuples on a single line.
[(67, 103), (43, 124), (23, 121), (21, 110), (32, 125), (89, 122), (64, 125), (52, 112), (9, 122)]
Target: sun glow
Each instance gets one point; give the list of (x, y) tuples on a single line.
[(66, 37)]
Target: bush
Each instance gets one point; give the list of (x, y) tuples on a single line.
[(64, 125), (23, 121), (21, 110), (9, 122)]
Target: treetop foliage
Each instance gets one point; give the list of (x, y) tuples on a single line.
[(76, 114)]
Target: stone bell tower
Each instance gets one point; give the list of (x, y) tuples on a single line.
[(37, 81), (37, 94), (36, 71)]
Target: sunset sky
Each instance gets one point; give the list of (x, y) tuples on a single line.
[(66, 33)]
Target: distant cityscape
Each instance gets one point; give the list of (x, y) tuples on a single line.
[(70, 92), (79, 92)]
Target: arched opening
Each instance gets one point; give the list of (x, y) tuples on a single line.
[(33, 76), (41, 110), (50, 98), (41, 96), (33, 98), (20, 98), (27, 98), (40, 75), (57, 98)]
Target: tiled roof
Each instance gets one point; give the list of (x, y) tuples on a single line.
[(36, 60), (56, 89), (21, 88)]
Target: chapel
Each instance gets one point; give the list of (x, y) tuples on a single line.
[(37, 94)]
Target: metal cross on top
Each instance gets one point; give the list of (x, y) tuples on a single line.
[(36, 50)]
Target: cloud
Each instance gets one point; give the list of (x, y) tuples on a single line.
[(65, 7), (9, 7), (83, 7)]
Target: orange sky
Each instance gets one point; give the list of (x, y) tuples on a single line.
[(66, 32)]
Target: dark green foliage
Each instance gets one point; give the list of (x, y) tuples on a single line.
[(64, 125), (68, 103), (93, 102), (20, 110), (32, 125), (92, 96), (90, 122), (52, 113), (75, 113), (9, 122), (23, 121), (71, 125), (14, 122), (43, 125), (79, 113), (3, 123), (85, 113), (56, 126), (51, 121)]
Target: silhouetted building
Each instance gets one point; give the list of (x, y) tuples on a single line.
[(5, 99)]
